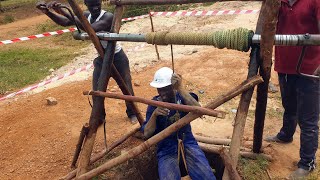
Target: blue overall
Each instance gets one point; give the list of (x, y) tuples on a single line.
[(167, 150)]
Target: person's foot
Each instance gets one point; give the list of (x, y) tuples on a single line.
[(133, 119), (299, 174), (275, 139)]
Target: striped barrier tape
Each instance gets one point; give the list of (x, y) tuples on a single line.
[(75, 71), (176, 13)]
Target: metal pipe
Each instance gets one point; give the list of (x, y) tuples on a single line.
[(280, 40), (161, 2)]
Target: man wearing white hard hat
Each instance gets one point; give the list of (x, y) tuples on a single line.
[(178, 154)]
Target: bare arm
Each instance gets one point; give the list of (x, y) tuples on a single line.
[(178, 85), (61, 20)]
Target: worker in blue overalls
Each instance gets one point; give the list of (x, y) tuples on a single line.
[(180, 146)]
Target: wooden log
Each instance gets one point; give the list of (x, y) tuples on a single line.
[(162, 2), (211, 149), (171, 129), (270, 9), (226, 142), (104, 152), (180, 107), (152, 30), (210, 140), (83, 133), (233, 173)]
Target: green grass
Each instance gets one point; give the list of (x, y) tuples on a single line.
[(24, 66), (253, 169)]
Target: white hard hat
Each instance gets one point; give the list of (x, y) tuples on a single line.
[(162, 78)]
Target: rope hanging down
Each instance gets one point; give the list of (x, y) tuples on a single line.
[(237, 39)]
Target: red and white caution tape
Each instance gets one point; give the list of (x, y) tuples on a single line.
[(75, 71), (85, 68), (176, 13), (37, 36), (204, 13)]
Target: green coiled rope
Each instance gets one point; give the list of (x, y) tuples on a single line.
[(237, 39)]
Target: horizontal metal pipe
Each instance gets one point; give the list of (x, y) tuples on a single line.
[(280, 40), (161, 2)]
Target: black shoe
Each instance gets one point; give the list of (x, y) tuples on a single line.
[(275, 139)]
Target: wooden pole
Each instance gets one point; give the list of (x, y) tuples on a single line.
[(101, 154), (233, 173), (152, 30), (270, 10), (171, 129), (83, 133), (212, 149), (162, 2), (180, 107)]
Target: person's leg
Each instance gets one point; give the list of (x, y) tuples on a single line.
[(197, 164), (308, 115), (121, 62), (97, 62), (289, 102), (168, 167)]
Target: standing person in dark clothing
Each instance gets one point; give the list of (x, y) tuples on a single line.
[(100, 21), (300, 95)]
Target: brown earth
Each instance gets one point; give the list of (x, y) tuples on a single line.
[(37, 141)]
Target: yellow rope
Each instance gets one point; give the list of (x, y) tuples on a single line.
[(237, 39)]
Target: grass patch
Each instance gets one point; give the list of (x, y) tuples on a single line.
[(7, 19), (24, 66), (253, 169)]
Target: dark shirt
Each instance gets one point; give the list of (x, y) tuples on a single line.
[(170, 144)]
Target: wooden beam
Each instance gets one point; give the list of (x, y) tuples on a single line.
[(162, 2), (173, 106), (270, 10), (83, 133), (171, 129)]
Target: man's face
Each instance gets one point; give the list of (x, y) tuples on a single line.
[(167, 94), (94, 7)]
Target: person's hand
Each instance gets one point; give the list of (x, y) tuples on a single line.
[(161, 111), (317, 71), (42, 6), (176, 81), (56, 6)]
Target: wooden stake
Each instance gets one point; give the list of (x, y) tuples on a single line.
[(171, 129), (83, 133), (233, 173), (172, 106), (152, 30), (270, 9), (101, 154)]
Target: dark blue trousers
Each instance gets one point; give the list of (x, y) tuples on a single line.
[(121, 63), (300, 99)]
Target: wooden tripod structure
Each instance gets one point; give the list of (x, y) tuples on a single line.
[(260, 61)]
